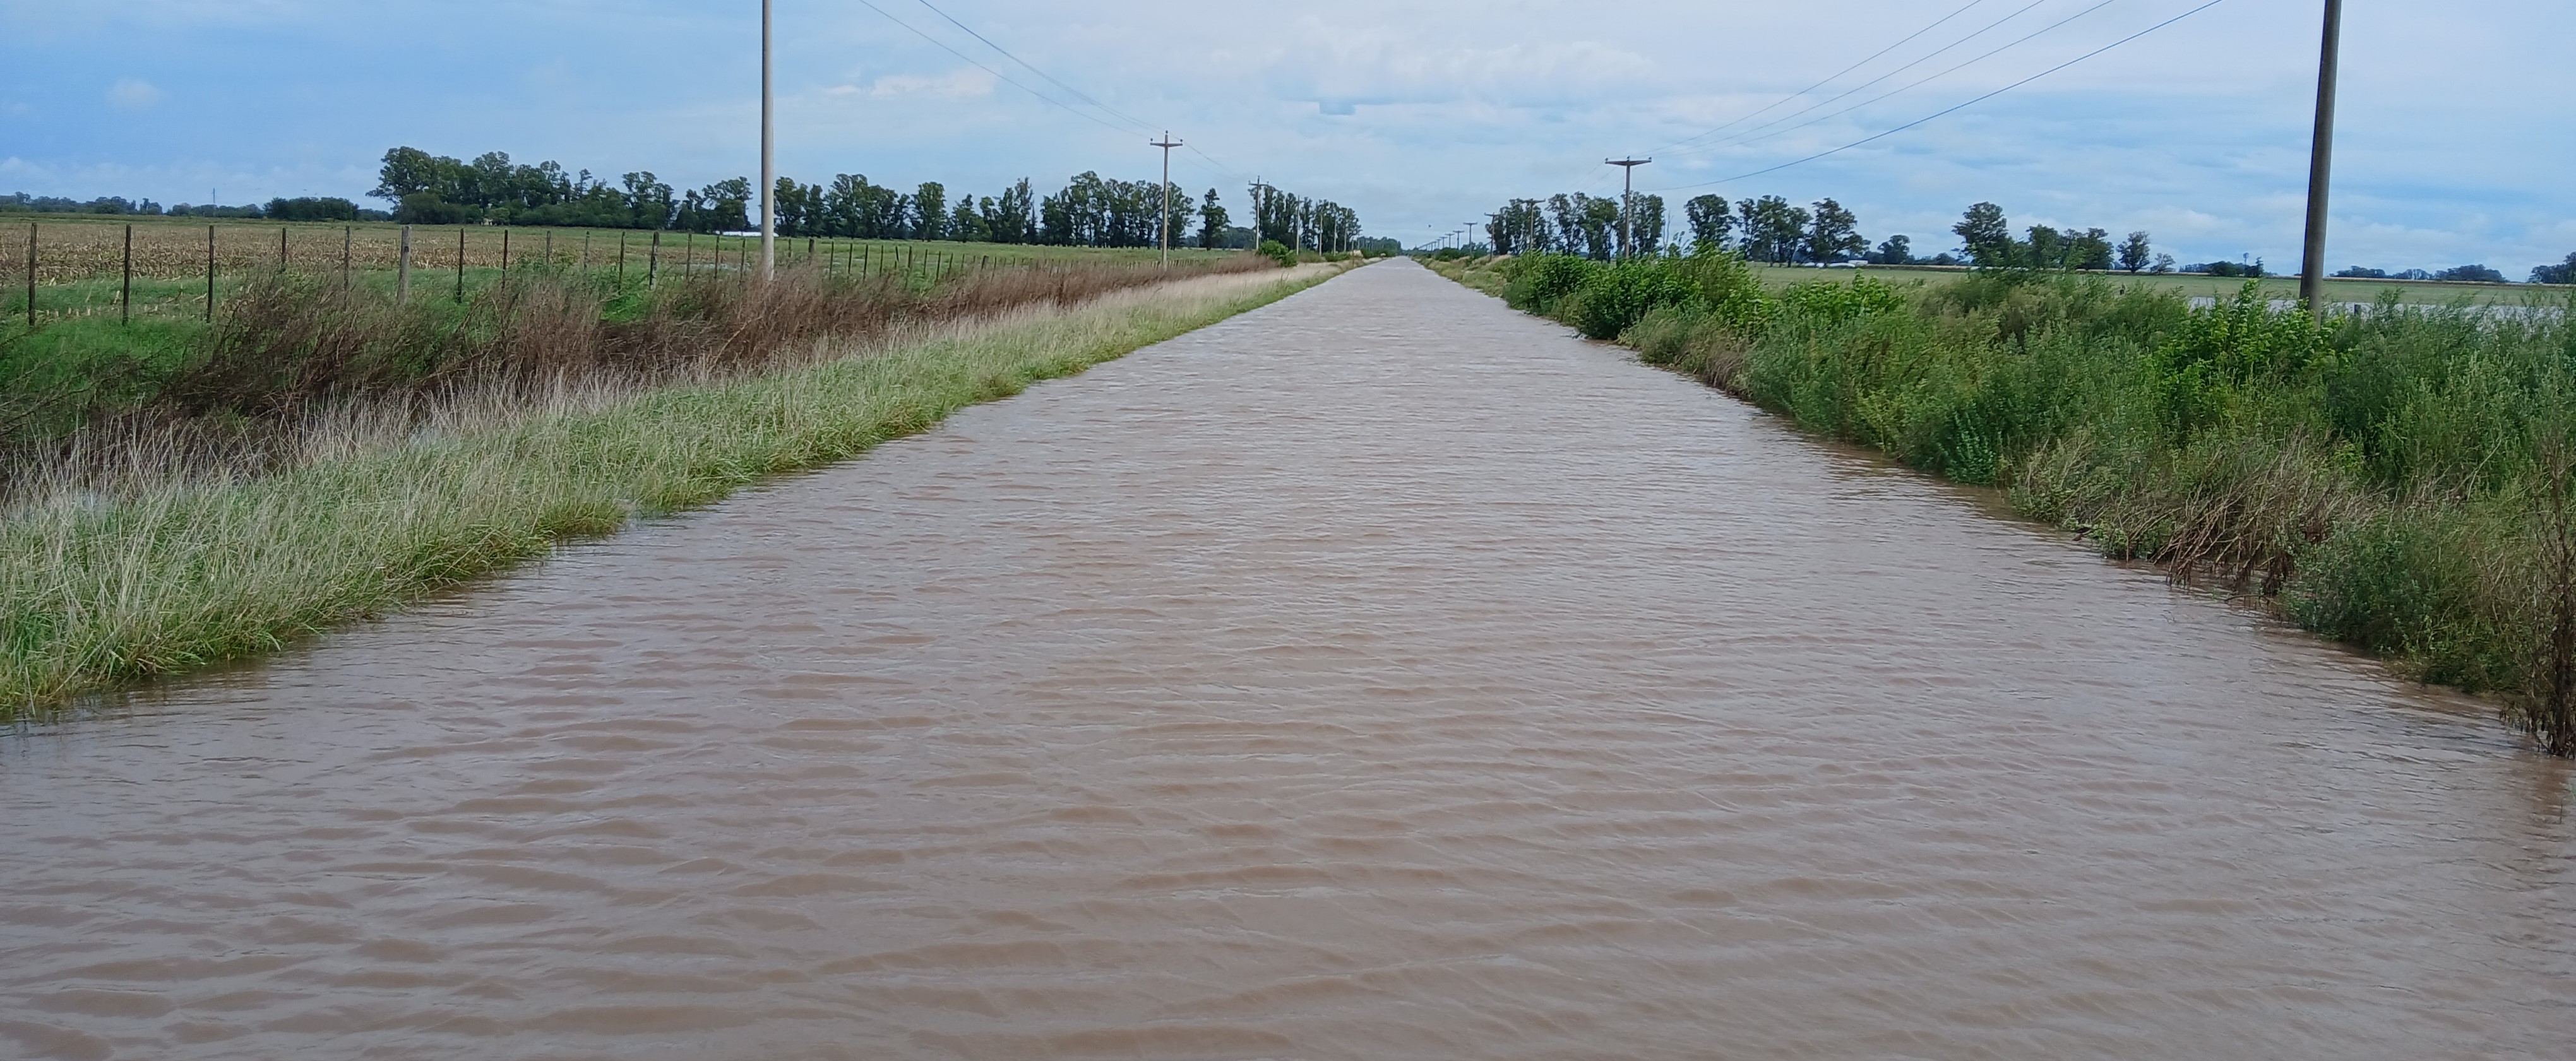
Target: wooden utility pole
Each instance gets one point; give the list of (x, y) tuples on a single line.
[(1165, 225), (1628, 196), (2312, 272)]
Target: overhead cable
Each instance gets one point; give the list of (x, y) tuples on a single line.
[(1936, 24), (943, 46), (1953, 109), (1925, 81), (1079, 94), (1918, 61)]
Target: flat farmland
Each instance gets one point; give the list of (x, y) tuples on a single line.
[(2193, 285), (79, 261)]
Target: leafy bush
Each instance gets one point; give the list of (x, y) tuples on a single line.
[(1537, 282), (1278, 252), (1611, 299)]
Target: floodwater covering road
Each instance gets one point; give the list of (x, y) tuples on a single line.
[(1378, 675)]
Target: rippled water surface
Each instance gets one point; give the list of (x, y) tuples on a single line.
[(1377, 675)]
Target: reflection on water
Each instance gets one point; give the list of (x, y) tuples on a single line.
[(1379, 675)]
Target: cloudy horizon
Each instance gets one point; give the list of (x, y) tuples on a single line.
[(1420, 116)]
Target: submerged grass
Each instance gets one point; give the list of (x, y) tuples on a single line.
[(135, 554), (2402, 479)]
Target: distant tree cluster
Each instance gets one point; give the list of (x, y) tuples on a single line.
[(303, 209), (1089, 211), (1988, 238), (2561, 273), (1576, 224), (1772, 229), (1301, 223), (436, 190)]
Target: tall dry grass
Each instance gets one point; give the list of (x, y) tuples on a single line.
[(303, 492)]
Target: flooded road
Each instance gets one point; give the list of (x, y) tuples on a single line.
[(1378, 675)]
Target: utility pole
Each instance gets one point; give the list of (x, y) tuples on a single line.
[(2312, 273), (1165, 225), (768, 159), (1260, 192), (1628, 196)]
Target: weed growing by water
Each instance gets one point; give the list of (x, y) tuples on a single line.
[(150, 546), (2398, 479)]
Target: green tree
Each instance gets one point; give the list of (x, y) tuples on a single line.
[(1710, 219), (1774, 230), (1897, 250), (1212, 221), (2090, 249), (930, 211), (2563, 273), (1833, 235), (1986, 235), (2135, 254)]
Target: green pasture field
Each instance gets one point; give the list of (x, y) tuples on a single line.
[(2410, 292)]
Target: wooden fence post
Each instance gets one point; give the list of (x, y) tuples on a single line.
[(281, 248), (402, 270), (125, 298), (653, 261), (505, 252), (31, 275), (210, 274), (460, 265)]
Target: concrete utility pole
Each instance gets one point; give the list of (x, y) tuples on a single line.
[(1627, 196), (1167, 144), (2312, 272), (1260, 192), (768, 159)]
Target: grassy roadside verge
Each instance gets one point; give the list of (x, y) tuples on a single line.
[(2402, 480), (196, 570)]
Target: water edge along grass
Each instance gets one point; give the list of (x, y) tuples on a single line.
[(195, 570), (2401, 479)]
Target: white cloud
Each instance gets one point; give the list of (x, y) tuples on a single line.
[(961, 83), (133, 94)]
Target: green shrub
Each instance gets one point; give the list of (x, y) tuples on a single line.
[(1539, 281), (1278, 252)]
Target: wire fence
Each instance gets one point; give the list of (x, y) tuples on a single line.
[(54, 270)]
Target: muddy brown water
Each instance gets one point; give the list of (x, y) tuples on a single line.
[(1378, 675)]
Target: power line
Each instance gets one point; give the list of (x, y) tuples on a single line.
[(1918, 61), (1221, 169), (1006, 53), (1989, 27), (1829, 79), (1919, 84), (1962, 106), (943, 46)]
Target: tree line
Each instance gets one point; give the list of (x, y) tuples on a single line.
[(1089, 210), (1773, 230)]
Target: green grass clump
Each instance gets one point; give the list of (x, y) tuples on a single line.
[(174, 575), (2399, 480)]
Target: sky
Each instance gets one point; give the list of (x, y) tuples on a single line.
[(2453, 140)]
